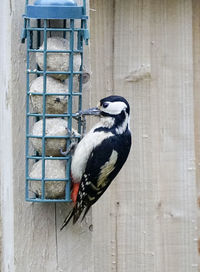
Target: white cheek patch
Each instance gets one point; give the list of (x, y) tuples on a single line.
[(114, 107)]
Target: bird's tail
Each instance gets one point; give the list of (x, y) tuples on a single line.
[(85, 212), (75, 213), (67, 219)]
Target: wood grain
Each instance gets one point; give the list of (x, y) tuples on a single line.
[(196, 86)]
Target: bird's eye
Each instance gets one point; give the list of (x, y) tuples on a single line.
[(105, 105)]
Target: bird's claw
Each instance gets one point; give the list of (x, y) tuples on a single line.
[(70, 149), (64, 153)]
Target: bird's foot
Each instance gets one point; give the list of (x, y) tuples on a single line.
[(70, 149)]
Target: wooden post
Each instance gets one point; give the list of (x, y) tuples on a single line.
[(6, 147)]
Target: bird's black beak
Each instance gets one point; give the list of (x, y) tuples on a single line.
[(91, 111)]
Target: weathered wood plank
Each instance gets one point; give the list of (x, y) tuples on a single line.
[(102, 31), (6, 152), (173, 136), (196, 86), (134, 186), (34, 224), (149, 200), (74, 243)]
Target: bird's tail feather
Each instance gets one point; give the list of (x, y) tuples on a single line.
[(86, 211), (67, 219), (75, 213)]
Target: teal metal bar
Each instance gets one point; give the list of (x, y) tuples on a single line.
[(44, 107), (54, 51), (71, 64), (52, 72), (47, 200), (80, 47), (49, 115), (27, 110), (47, 158), (54, 137), (57, 94), (46, 179), (55, 29)]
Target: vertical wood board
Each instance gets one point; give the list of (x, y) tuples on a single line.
[(6, 150), (196, 86), (101, 28)]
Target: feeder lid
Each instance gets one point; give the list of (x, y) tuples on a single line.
[(55, 9), (55, 3)]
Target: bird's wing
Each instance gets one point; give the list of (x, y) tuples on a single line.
[(95, 179), (100, 171)]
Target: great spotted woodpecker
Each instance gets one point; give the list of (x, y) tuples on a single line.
[(100, 155)]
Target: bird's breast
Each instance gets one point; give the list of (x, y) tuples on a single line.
[(83, 151)]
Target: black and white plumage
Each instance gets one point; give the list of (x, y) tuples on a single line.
[(100, 155)]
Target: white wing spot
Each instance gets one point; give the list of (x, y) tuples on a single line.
[(90, 198), (106, 169)]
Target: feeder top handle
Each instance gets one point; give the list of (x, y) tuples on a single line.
[(55, 3)]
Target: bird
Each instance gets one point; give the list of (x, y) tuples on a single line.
[(100, 154)]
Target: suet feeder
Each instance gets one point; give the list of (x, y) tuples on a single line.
[(55, 31)]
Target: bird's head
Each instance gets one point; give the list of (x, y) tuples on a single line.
[(110, 106), (114, 107)]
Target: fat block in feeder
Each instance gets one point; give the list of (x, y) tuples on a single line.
[(54, 127), (58, 61), (55, 104), (54, 169)]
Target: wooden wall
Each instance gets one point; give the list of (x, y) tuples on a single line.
[(148, 220), (149, 52)]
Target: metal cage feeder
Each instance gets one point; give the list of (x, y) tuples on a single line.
[(65, 22)]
